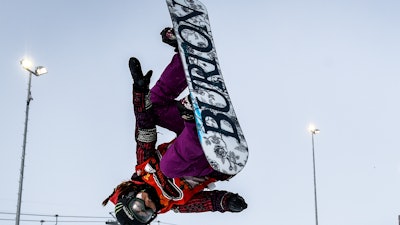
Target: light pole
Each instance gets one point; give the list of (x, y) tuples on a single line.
[(112, 222), (313, 132), (40, 70)]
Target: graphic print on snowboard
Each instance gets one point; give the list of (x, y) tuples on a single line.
[(218, 128)]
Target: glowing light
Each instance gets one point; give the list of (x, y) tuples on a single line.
[(313, 129), (26, 63), (40, 70)]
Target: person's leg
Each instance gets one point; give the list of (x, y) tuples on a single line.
[(170, 85), (185, 156)]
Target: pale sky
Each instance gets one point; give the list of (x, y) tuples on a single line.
[(286, 64)]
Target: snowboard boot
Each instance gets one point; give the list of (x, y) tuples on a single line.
[(186, 109), (168, 37)]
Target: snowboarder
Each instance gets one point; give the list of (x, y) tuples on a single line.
[(174, 175)]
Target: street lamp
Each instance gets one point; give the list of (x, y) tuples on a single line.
[(40, 70), (313, 130)]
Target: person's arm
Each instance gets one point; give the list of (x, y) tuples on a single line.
[(213, 201), (145, 130)]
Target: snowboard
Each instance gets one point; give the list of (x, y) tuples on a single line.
[(218, 128)]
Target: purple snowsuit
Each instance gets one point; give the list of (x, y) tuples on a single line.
[(185, 156)]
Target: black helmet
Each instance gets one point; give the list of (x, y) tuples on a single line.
[(130, 210)]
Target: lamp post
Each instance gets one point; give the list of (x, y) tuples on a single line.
[(313, 132), (112, 222), (40, 70)]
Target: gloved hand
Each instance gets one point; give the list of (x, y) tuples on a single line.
[(236, 203), (185, 108), (140, 82), (168, 37)]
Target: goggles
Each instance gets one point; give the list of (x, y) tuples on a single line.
[(138, 209)]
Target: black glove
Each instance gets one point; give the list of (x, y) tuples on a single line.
[(185, 108), (236, 203), (168, 37), (140, 82)]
